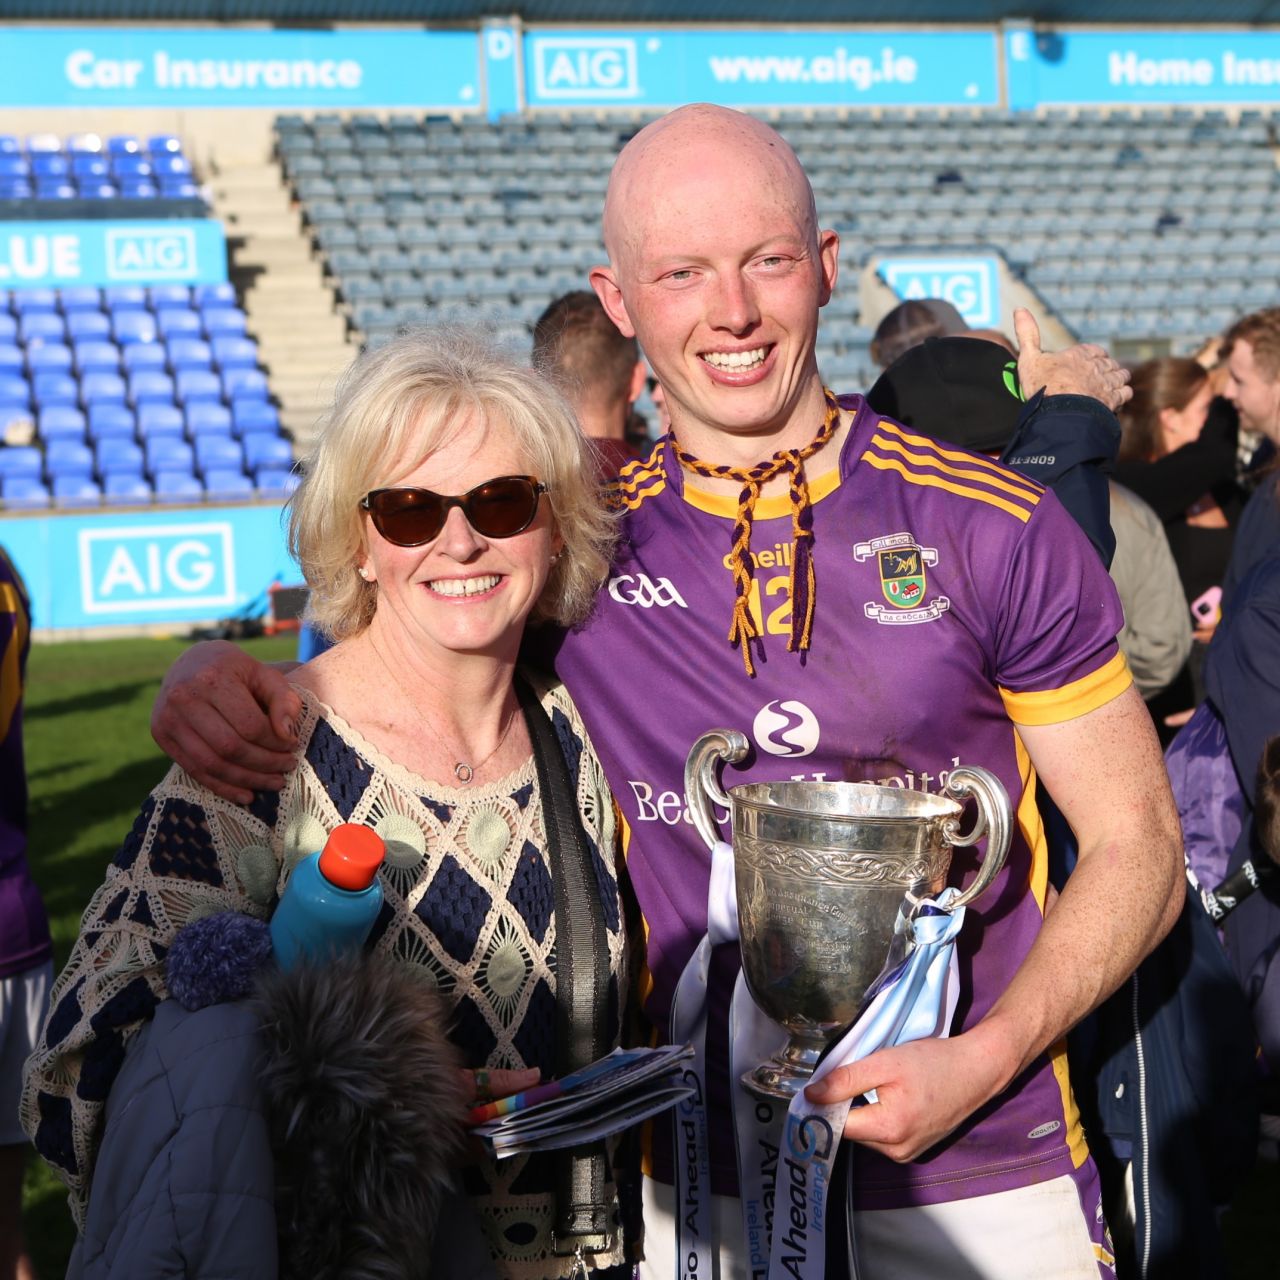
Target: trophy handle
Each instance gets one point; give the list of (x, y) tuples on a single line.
[(701, 784), (994, 821)]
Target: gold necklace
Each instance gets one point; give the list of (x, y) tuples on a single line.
[(461, 770)]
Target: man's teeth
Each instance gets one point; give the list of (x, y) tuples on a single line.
[(736, 359), (464, 586)]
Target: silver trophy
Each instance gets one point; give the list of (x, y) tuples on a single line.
[(827, 876)]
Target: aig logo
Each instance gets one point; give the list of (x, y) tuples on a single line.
[(568, 67), (134, 570), (151, 253), (639, 589)]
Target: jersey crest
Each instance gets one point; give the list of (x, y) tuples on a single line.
[(903, 580)]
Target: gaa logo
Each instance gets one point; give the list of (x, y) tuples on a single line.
[(639, 589), (786, 729)]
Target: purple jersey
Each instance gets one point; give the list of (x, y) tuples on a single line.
[(955, 599), (24, 927)]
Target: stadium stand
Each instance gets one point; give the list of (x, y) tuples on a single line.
[(1118, 221), (128, 393)]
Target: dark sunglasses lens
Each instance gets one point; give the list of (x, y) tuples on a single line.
[(408, 517), (502, 508)]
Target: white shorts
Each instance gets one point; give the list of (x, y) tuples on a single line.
[(24, 1000), (1034, 1233)]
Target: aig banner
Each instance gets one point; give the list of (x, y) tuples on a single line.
[(1067, 68), (53, 254), (601, 68), (128, 568), (229, 67)]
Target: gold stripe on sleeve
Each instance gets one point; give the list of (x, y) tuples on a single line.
[(1054, 706)]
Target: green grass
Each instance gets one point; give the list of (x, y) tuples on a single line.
[(91, 761)]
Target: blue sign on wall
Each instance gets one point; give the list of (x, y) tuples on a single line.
[(1175, 67), (133, 567), (228, 67), (760, 68), (971, 284), (180, 250)]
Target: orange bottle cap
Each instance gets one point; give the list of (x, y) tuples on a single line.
[(351, 856)]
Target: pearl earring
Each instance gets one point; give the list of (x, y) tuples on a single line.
[(364, 573)]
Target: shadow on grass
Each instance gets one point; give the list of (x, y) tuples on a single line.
[(99, 699)]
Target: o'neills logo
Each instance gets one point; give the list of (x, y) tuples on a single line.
[(809, 1145)]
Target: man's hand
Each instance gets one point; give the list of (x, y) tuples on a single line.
[(228, 720), (1082, 370), (925, 1089)]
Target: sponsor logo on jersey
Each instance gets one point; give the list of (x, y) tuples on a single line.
[(645, 592), (786, 729), (902, 562), (1044, 1130)]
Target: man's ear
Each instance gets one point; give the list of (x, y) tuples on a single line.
[(605, 283), (638, 376), (828, 263)]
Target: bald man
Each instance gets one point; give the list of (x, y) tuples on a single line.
[(757, 585)]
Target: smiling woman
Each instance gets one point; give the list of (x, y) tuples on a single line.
[(448, 502)]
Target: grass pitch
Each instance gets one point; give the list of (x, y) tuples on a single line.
[(91, 762)]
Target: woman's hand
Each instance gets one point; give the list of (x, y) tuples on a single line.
[(483, 1085)]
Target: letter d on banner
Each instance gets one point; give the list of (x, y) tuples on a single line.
[(500, 56)]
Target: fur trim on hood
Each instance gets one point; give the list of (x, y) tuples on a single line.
[(366, 1114)]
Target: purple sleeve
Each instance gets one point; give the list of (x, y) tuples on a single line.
[(1060, 614)]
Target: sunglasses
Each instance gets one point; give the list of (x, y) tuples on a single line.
[(498, 508)]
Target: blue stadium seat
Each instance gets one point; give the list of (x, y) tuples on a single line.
[(94, 189), (150, 387), (49, 357), (93, 356), (270, 452), (123, 144), (76, 491), (81, 297), (88, 324), (172, 166), (141, 190), (49, 389), (43, 143), (120, 296), (189, 353), (138, 356), (164, 144), (228, 485), (8, 328), (257, 417), (168, 453), (83, 144), (178, 189), (159, 420), (68, 458), (197, 384), (24, 491), (102, 388), (245, 384), (12, 361), (61, 422), (133, 326), (20, 460), (130, 167), (49, 164), (169, 295), (223, 320), (54, 190), (26, 301), (90, 166), (121, 488), (118, 453), (173, 322), (14, 388), (177, 486), (213, 295), (214, 453), (111, 422), (273, 481), (233, 352), (35, 327), (204, 418), (14, 166)]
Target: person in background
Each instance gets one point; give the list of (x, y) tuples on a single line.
[(598, 370), (449, 499), (1177, 453), (26, 952), (910, 323)]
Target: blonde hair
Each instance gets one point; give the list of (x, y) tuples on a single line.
[(1261, 330), (397, 404)]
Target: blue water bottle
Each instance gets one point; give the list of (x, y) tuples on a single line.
[(332, 898)]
